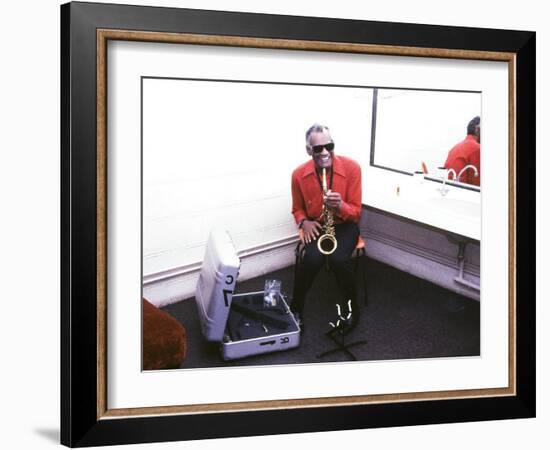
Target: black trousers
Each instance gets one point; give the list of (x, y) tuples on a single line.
[(340, 263)]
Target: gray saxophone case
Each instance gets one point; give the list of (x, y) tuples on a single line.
[(241, 323)]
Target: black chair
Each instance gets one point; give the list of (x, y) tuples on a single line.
[(359, 256)]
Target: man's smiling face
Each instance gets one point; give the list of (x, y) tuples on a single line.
[(317, 150)]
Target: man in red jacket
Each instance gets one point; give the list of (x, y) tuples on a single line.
[(467, 152), (344, 200)]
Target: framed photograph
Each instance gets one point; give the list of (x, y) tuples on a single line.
[(191, 304)]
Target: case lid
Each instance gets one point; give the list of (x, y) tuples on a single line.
[(217, 279)]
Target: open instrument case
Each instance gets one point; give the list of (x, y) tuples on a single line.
[(242, 323)]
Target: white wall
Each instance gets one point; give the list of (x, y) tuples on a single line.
[(29, 231), (221, 153)]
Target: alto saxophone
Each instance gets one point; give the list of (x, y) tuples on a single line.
[(327, 242)]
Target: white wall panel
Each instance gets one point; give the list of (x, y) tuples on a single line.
[(222, 153)]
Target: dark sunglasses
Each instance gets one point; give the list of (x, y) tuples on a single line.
[(319, 148)]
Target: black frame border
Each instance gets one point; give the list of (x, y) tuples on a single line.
[(79, 423)]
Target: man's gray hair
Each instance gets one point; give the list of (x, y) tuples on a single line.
[(315, 128)]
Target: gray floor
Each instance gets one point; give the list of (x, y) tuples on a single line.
[(405, 317)]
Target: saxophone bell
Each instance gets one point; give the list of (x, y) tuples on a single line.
[(327, 244)]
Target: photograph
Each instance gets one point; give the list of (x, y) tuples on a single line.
[(286, 224), (252, 204)]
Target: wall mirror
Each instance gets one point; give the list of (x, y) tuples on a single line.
[(415, 130)]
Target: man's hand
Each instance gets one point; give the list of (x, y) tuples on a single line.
[(334, 200), (311, 230)]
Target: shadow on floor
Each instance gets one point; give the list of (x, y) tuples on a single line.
[(49, 434)]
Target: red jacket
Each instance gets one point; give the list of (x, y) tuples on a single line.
[(307, 197), (464, 153)]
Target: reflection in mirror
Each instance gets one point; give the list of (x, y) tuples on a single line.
[(436, 132)]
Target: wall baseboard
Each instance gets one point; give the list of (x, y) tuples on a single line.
[(426, 268), (179, 284), (412, 248)]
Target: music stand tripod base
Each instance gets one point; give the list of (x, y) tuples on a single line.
[(341, 346)]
